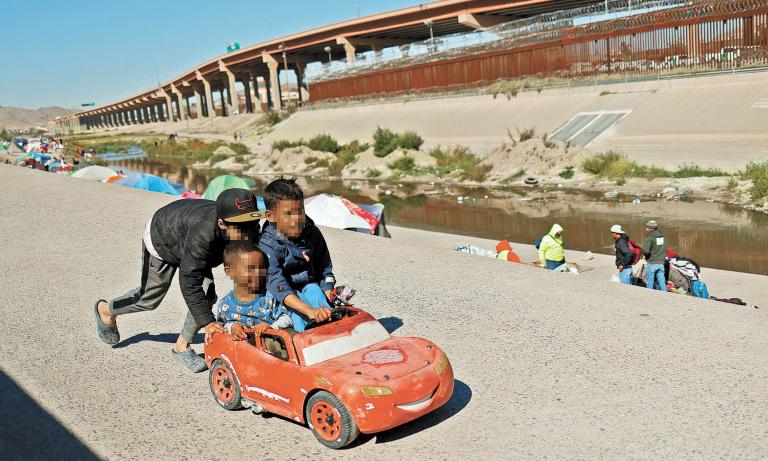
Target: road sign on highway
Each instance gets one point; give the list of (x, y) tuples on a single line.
[(232, 46), (88, 104)]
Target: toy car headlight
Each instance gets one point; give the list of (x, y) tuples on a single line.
[(442, 365), (374, 391)]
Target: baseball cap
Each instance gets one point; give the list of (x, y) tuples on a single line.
[(238, 206), (651, 224), (616, 229)]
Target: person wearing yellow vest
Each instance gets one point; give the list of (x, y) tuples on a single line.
[(551, 249)]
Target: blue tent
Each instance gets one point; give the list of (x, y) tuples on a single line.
[(148, 182)]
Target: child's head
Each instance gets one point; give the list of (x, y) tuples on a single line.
[(246, 265), (284, 200)]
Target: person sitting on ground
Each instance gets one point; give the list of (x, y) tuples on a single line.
[(624, 256), (300, 274), (655, 251), (248, 306), (504, 249), (188, 236), (552, 248)]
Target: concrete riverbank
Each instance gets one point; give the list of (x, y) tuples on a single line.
[(547, 365)]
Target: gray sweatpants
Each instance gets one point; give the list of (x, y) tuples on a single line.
[(156, 278)]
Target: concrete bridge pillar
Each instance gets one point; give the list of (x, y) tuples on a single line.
[(198, 102), (233, 101), (274, 79), (256, 99), (179, 102), (207, 105), (299, 68), (168, 107), (246, 79)]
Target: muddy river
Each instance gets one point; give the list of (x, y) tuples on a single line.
[(716, 236)]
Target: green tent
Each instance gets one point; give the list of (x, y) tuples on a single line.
[(222, 183)]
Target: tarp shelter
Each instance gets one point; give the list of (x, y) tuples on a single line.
[(94, 173), (339, 213), (221, 183), (148, 182)]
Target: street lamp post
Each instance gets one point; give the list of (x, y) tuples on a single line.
[(285, 65), (429, 23), (327, 49)]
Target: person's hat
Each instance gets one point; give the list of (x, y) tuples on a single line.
[(616, 229), (238, 206), (651, 224)]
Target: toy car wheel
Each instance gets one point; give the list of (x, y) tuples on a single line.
[(330, 420), (224, 385)]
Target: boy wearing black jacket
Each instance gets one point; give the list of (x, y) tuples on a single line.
[(188, 236)]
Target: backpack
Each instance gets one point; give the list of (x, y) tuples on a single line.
[(699, 289), (537, 243), (637, 251)]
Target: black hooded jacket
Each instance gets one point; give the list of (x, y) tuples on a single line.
[(185, 234), (624, 257)]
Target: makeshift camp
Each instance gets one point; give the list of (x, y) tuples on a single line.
[(339, 213), (114, 179), (148, 182), (221, 183), (95, 173), (377, 209)]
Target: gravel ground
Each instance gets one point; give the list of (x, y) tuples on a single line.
[(547, 365)]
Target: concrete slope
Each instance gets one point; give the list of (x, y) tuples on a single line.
[(713, 120), (547, 365)]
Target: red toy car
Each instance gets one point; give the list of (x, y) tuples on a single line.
[(341, 378)]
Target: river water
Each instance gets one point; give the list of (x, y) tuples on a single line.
[(714, 235)]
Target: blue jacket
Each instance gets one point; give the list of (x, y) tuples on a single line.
[(295, 263)]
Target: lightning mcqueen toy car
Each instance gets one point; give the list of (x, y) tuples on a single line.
[(341, 378)]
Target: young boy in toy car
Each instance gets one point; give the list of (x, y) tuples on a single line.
[(300, 273), (247, 308)]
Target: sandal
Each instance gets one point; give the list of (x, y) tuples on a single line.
[(109, 334)]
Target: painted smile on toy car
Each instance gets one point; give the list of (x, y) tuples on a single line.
[(419, 404)]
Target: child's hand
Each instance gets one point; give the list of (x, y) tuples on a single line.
[(211, 329), (321, 315), (259, 328), (238, 332)]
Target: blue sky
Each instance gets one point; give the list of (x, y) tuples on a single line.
[(67, 52)]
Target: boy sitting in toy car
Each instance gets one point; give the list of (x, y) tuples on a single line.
[(246, 308), (300, 269)]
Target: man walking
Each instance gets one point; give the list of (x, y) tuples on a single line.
[(624, 256), (188, 236), (655, 251)]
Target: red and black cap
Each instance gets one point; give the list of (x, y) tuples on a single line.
[(238, 206)]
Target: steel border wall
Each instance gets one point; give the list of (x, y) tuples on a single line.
[(704, 36)]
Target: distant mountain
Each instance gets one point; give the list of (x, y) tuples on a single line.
[(14, 118)]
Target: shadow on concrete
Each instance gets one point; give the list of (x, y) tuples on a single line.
[(169, 338), (391, 323), (29, 432)]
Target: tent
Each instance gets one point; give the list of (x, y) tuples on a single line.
[(222, 183), (94, 173), (190, 194), (148, 182), (339, 213), (377, 209), (114, 179)]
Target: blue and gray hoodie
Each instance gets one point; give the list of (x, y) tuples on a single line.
[(295, 263)]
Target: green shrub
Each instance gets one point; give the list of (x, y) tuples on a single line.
[(272, 117), (526, 134), (694, 171), (510, 179), (460, 161), (310, 160), (373, 173), (567, 173), (282, 144), (217, 158), (758, 174), (405, 166), (384, 142), (239, 148), (323, 143), (409, 140)]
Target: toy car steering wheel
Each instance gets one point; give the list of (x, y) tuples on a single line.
[(337, 313)]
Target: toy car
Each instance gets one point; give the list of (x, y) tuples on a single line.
[(341, 378)]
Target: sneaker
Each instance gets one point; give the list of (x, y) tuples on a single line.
[(190, 360)]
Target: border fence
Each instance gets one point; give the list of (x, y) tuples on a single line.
[(629, 38)]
